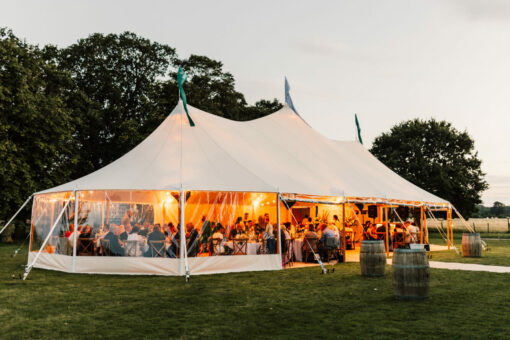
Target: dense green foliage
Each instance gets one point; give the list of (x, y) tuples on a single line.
[(293, 303), (66, 112), (37, 148), (436, 157)]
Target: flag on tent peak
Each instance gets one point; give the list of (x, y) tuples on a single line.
[(358, 128), (181, 78), (288, 100)]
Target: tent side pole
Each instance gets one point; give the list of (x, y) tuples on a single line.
[(421, 224), (75, 232), (342, 231), (387, 229), (182, 233), (30, 266), (279, 228), (16, 214), (448, 228)]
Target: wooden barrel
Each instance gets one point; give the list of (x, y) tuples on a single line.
[(410, 272), (372, 258), (471, 245)]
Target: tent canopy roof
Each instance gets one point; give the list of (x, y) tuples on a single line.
[(276, 153)]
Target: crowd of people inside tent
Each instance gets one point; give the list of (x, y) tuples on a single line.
[(212, 238)]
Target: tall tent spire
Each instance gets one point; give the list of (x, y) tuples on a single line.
[(288, 100), (358, 129), (181, 78)]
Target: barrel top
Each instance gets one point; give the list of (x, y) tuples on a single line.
[(400, 250)]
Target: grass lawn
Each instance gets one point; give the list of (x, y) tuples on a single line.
[(284, 304), (498, 253)]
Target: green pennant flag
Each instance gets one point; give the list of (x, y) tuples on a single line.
[(181, 78), (358, 128)]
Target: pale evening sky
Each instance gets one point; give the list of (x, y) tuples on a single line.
[(387, 61)]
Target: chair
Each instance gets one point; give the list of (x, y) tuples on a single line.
[(263, 247), (332, 244), (310, 247), (216, 247), (349, 240), (86, 246), (240, 246), (105, 247), (288, 255), (132, 248), (398, 240), (157, 248)]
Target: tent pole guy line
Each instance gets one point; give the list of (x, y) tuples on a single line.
[(16, 214)]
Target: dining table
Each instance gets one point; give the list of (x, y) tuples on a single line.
[(252, 247)]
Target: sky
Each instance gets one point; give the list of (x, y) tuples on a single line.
[(387, 61)]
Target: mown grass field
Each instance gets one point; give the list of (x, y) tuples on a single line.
[(498, 253), (295, 303)]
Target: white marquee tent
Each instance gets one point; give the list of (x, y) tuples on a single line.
[(278, 154)]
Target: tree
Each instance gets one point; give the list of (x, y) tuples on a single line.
[(114, 82), (498, 209), (37, 149), (436, 157)]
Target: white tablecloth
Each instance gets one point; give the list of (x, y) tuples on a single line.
[(252, 248)]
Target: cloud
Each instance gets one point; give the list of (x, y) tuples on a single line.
[(479, 10), (499, 190)]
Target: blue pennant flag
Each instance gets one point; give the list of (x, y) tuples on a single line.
[(181, 78), (288, 100)]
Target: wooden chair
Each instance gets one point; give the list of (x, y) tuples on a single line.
[(240, 246), (216, 248), (105, 247), (349, 240), (157, 248), (309, 247), (86, 246), (288, 255), (133, 248), (263, 247), (398, 239)]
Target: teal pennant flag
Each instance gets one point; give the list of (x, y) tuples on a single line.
[(358, 128), (181, 78)]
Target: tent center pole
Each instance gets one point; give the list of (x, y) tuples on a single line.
[(75, 232)]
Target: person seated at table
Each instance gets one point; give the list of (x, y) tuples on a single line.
[(116, 245), (237, 232), (138, 249), (259, 227), (325, 234), (155, 236), (412, 232), (70, 238), (219, 234), (127, 230), (372, 232), (84, 239), (191, 239)]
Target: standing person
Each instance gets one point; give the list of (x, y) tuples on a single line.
[(269, 235), (335, 227), (126, 219), (246, 220)]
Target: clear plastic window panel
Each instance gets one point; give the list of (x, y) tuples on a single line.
[(231, 223), (46, 211)]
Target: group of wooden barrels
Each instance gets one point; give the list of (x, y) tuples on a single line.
[(410, 267)]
